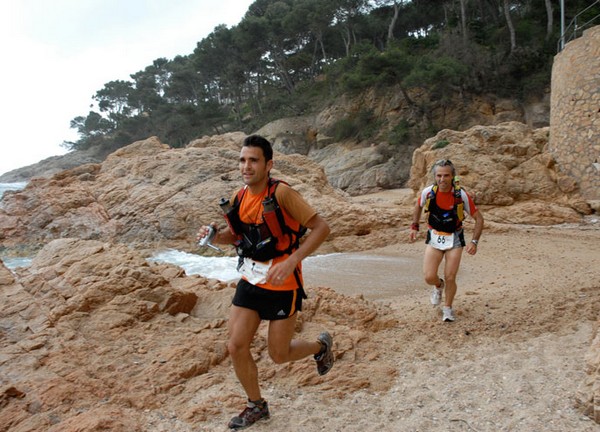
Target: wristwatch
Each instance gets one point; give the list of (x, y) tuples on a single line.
[(475, 242)]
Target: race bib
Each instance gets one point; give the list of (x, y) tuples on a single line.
[(441, 240), (255, 272)]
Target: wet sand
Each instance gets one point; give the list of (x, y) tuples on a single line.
[(376, 277)]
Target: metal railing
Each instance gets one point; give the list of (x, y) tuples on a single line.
[(575, 27)]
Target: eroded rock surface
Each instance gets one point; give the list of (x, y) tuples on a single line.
[(93, 337)]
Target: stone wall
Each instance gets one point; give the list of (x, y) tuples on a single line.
[(575, 112)]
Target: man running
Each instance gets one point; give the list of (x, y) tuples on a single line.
[(271, 287), (446, 204)]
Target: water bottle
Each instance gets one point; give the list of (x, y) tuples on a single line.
[(225, 205), (270, 217), (230, 216)]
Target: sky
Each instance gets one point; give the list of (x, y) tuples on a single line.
[(57, 53)]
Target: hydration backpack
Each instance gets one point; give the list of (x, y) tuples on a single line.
[(269, 239), (445, 220)]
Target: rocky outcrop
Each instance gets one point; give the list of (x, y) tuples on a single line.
[(359, 170), (507, 168), (150, 195), (94, 338), (374, 164), (354, 168), (52, 165)]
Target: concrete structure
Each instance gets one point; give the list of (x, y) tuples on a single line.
[(575, 112)]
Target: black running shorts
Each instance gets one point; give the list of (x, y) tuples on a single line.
[(270, 305)]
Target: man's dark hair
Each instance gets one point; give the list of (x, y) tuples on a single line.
[(263, 143)]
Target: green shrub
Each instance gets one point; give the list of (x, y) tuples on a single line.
[(344, 129), (440, 144), (360, 126), (400, 133)]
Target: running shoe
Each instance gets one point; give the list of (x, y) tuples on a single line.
[(325, 357), (251, 414), (447, 314), (436, 293)]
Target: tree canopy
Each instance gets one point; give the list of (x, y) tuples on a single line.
[(288, 57)]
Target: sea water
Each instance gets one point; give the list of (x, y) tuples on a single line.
[(225, 268), (221, 268), (13, 263), (11, 187), (374, 276)]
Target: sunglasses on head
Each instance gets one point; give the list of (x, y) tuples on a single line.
[(444, 162)]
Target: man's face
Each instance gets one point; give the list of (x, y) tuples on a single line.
[(443, 178), (253, 167)]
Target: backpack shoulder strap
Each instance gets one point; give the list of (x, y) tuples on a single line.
[(430, 196), (272, 185), (459, 205), (238, 198)]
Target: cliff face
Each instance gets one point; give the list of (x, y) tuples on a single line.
[(375, 163)]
